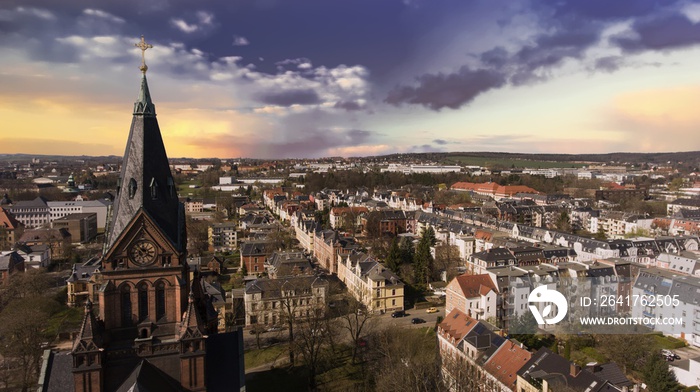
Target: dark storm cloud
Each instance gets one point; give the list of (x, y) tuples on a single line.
[(289, 97), (668, 32), (438, 91), (570, 29)]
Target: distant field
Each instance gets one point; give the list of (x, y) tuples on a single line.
[(507, 163)]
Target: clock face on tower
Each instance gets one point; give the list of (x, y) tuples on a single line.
[(143, 252)]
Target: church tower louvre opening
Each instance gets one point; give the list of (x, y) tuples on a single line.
[(146, 331)]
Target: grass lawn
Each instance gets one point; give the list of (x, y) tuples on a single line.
[(280, 379), (255, 358), (668, 342)]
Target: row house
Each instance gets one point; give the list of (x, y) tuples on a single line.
[(350, 217), (547, 371), (305, 232), (283, 264), (464, 345), (371, 283), (479, 262), (670, 284), (391, 222), (687, 262), (682, 204), (328, 245), (677, 226), (271, 196), (275, 301)]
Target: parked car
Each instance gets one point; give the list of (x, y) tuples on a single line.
[(417, 320), (398, 313), (431, 310), (670, 354)]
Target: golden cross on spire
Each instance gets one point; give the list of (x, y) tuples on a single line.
[(143, 46)]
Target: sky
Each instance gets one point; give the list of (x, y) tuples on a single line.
[(316, 78)]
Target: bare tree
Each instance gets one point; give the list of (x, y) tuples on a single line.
[(357, 321), (447, 259), (310, 341)]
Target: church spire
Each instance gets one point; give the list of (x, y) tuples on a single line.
[(144, 105), (146, 183)]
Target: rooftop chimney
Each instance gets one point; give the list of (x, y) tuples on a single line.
[(574, 369)]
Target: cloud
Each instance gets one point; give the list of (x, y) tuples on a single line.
[(668, 32), (289, 97), (441, 142), (205, 21), (103, 15), (240, 41), (438, 91)]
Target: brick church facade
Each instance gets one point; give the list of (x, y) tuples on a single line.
[(150, 329)]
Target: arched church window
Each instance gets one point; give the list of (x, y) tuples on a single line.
[(160, 300), (171, 187), (132, 188), (126, 305), (143, 301)]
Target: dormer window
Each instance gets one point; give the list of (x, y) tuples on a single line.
[(171, 187), (132, 188), (154, 189)]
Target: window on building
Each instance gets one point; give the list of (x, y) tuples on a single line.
[(160, 300), (126, 305), (143, 301), (132, 188)]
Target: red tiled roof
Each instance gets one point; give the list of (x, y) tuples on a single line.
[(456, 325), (505, 363), (475, 285), (493, 188), (7, 220)]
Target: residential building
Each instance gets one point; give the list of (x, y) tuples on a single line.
[(347, 217), (670, 284), (82, 227), (547, 371), (490, 258), (492, 189), (83, 282), (10, 229), (254, 255), (687, 262), (503, 366), (474, 295), (37, 256), (328, 245), (58, 240), (274, 301), (464, 344), (10, 264), (371, 283), (223, 236), (679, 204), (282, 264)]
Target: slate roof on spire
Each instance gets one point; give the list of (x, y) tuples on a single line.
[(191, 325), (148, 378), (89, 338), (146, 181)]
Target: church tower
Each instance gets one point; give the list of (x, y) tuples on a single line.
[(144, 267), (149, 332)]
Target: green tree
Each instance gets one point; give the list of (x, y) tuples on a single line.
[(657, 375), (407, 250), (393, 260), (423, 259)]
